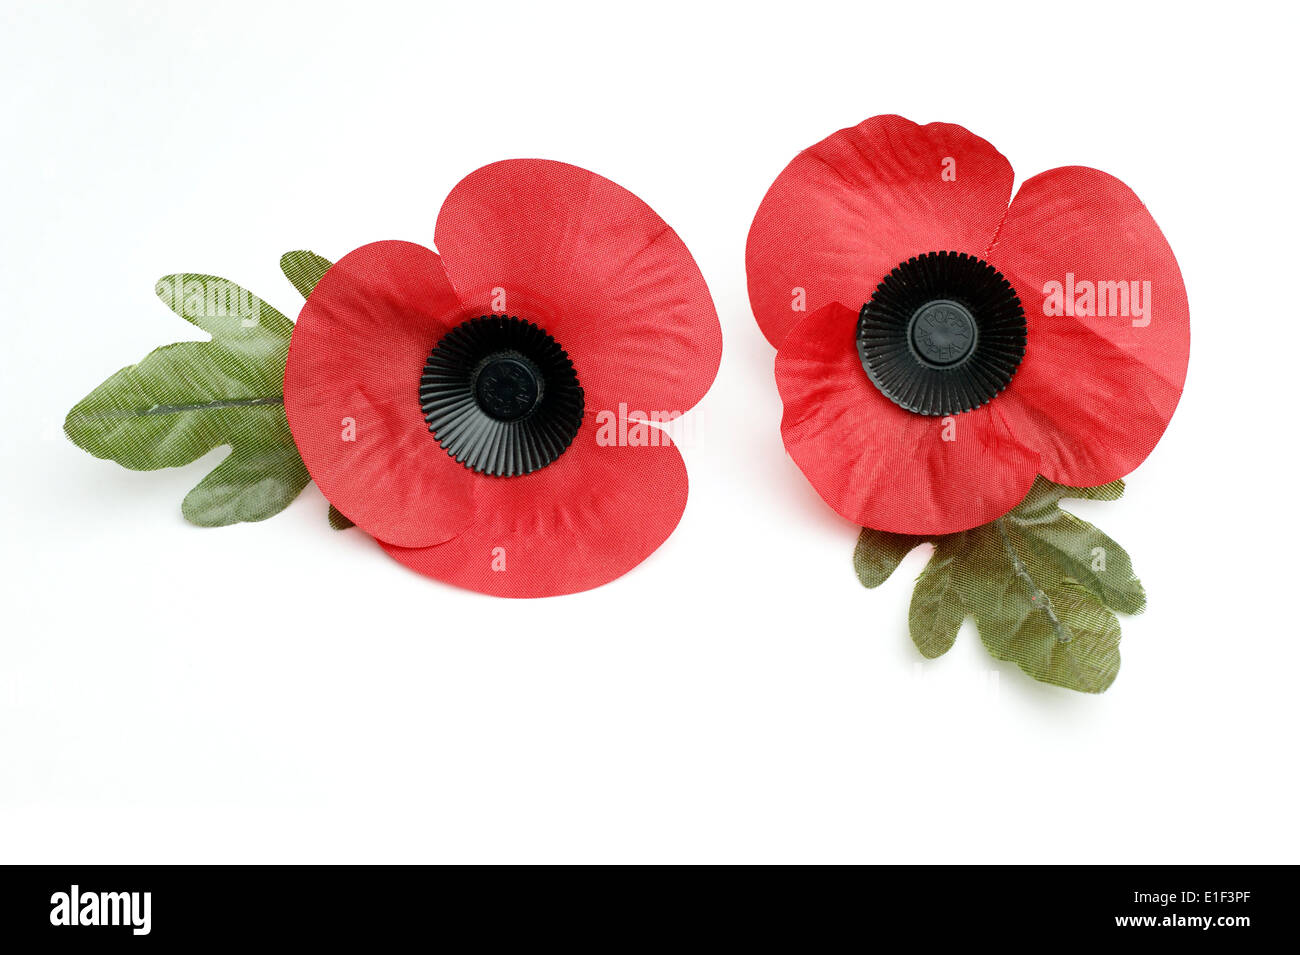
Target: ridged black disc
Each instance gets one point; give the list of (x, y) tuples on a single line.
[(501, 396), (943, 333)]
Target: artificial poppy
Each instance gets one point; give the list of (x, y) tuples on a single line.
[(940, 344), (480, 410)]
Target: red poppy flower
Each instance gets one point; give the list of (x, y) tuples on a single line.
[(460, 407), (939, 345)]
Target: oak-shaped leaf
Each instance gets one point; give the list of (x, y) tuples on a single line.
[(1042, 585), (184, 399)]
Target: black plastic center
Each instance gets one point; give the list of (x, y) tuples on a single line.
[(507, 386), (501, 395), (942, 333)]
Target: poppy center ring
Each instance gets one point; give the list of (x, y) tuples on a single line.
[(501, 396), (943, 333)]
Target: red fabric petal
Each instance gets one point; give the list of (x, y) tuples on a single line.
[(353, 371), (878, 465), (849, 209), (588, 518), (1094, 393), (597, 268)]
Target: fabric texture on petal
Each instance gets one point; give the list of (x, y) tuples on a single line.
[(590, 517), (847, 210), (593, 265), (351, 394), (1108, 325), (881, 466)]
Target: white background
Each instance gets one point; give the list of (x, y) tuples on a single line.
[(283, 692)]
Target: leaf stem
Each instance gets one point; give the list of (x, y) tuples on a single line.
[(214, 405), (1037, 598)]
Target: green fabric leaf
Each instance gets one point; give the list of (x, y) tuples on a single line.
[(1030, 612), (303, 269), (937, 612), (878, 554), (1087, 555), (185, 399), (1091, 558), (1045, 496), (1042, 585), (338, 520)]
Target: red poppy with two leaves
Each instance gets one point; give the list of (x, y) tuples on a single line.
[(449, 402), (940, 344)]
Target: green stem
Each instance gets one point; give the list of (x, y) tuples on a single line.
[(214, 405)]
